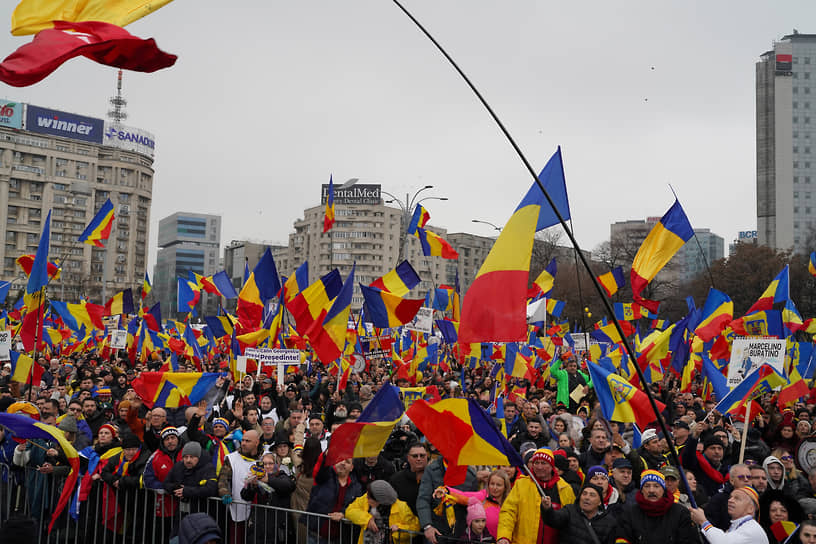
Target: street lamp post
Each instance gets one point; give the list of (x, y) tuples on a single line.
[(486, 223), (407, 207)]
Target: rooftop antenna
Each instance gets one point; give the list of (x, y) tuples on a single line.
[(118, 114)]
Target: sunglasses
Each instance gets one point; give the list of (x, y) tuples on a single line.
[(787, 458)]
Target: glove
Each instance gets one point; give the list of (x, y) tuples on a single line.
[(226, 500)]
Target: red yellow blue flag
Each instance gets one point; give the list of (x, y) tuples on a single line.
[(612, 280), (328, 215), (777, 292), (99, 228), (718, 312), (543, 284), (328, 332), (399, 281), (386, 309), (173, 389), (419, 219), (620, 400)]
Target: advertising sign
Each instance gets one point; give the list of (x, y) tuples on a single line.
[(422, 321), (129, 139), (5, 345), (67, 125), (748, 354), (11, 114), (356, 194)]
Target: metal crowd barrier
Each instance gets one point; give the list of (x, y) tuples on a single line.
[(112, 516)]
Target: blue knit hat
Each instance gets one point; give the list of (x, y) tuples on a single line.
[(652, 476)]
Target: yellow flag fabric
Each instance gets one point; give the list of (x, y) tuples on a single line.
[(31, 16)]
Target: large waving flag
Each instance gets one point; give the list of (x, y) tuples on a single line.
[(99, 228), (296, 283), (762, 380), (25, 262), (620, 400), (612, 280), (120, 303), (173, 389), (777, 292), (434, 245), (25, 427), (188, 295), (25, 370), (495, 306), (718, 312), (419, 219), (553, 180), (100, 42), (386, 309), (328, 332), (31, 16), (367, 436), (223, 285), (263, 285), (665, 239), (77, 316), (543, 284), (399, 281), (463, 432), (307, 305), (328, 215), (34, 298)]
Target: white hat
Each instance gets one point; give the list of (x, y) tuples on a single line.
[(648, 434)]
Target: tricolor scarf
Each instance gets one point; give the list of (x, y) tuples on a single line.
[(122, 467), (710, 471)]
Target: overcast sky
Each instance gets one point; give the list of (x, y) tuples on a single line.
[(269, 98)]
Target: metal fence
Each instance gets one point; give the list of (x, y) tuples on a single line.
[(113, 516)]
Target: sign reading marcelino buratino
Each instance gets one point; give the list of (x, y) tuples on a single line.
[(356, 194)]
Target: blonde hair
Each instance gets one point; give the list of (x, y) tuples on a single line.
[(778, 453), (502, 475)]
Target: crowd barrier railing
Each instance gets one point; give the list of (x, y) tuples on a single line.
[(131, 516)]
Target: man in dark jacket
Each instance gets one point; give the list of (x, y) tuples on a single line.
[(406, 481), (575, 521), (708, 466), (432, 524), (192, 479), (124, 473), (92, 415), (598, 448), (373, 468), (654, 517), (534, 433), (335, 487), (716, 510), (199, 528)]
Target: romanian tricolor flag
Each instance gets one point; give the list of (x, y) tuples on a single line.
[(812, 264), (762, 380), (120, 303), (543, 284), (25, 427), (75, 316), (307, 305), (665, 239), (419, 219), (629, 311), (32, 16), (188, 295), (173, 389), (24, 369), (25, 262), (620, 400), (146, 286), (328, 216), (434, 245), (99, 228), (494, 308), (777, 292), (262, 285), (296, 283), (399, 281), (386, 309), (443, 299), (463, 432), (612, 280), (517, 364), (782, 530), (34, 298), (328, 332), (366, 437), (718, 312)]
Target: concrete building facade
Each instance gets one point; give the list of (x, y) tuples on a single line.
[(71, 164), (785, 144)]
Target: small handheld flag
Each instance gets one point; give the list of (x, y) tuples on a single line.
[(99, 228)]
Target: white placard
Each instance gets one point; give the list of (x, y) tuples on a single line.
[(241, 363), (118, 339), (748, 354), (422, 321), (277, 357), (5, 345)]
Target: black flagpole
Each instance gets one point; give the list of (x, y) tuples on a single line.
[(610, 311)]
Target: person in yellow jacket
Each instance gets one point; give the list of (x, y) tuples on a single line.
[(520, 516), (380, 511)]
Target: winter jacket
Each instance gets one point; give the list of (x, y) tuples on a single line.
[(635, 527), (156, 470), (565, 382), (130, 481), (433, 477), (521, 512), (690, 461), (271, 524), (406, 485), (382, 470), (572, 524), (400, 515), (199, 482), (716, 510), (198, 528)]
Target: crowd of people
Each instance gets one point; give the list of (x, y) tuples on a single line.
[(254, 442)]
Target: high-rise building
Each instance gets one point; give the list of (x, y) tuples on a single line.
[(240, 254), (188, 242), (70, 165), (698, 253), (785, 145)]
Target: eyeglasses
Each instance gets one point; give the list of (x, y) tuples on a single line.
[(787, 458), (744, 477), (750, 462)]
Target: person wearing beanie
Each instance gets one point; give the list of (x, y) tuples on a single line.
[(491, 497), (520, 519), (743, 507), (156, 470), (476, 524), (708, 466), (574, 520), (123, 473), (192, 479), (716, 510), (378, 509), (599, 477), (199, 528), (654, 517)]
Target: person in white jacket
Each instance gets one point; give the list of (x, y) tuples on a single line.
[(743, 506)]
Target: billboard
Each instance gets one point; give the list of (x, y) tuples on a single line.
[(67, 125), (11, 114), (129, 139), (748, 354), (356, 194)]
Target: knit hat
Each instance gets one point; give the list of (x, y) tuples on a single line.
[(130, 440), (652, 476), (382, 492), (113, 430), (545, 454), (752, 494), (191, 448), (221, 421), (68, 424), (597, 489), (475, 510), (711, 440), (597, 469), (170, 431)]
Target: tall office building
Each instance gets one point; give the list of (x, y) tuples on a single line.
[(240, 254), (785, 145), (188, 242), (70, 165)]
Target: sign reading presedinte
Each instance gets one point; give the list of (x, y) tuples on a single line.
[(356, 194), (748, 354)]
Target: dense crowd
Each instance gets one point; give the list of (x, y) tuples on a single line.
[(257, 442)]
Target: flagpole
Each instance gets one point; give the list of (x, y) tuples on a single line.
[(700, 247), (745, 429), (580, 298), (37, 338), (570, 235)]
